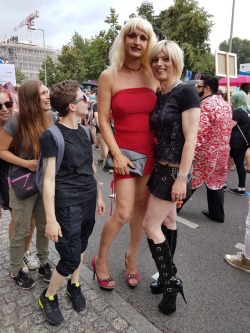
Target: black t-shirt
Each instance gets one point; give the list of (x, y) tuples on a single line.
[(166, 120), (75, 182), (242, 118)]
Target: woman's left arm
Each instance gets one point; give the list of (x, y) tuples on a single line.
[(190, 121)]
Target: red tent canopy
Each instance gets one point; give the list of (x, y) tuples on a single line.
[(235, 81)]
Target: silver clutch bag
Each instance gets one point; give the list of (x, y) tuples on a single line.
[(138, 159)]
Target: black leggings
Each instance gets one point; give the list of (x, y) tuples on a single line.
[(238, 155)]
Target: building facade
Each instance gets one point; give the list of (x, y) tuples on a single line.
[(27, 57)]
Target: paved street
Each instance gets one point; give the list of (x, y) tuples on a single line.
[(218, 295), (19, 310)]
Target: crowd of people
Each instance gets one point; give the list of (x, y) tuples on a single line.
[(187, 133)]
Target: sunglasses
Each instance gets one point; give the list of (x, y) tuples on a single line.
[(83, 98), (8, 105)]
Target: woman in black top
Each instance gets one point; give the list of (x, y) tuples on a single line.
[(175, 121), (238, 145)]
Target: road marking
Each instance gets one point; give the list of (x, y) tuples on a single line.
[(240, 246), (155, 276), (187, 223)]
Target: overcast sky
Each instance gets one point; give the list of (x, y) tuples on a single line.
[(61, 18)]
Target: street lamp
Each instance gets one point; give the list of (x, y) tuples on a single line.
[(231, 30), (44, 51)]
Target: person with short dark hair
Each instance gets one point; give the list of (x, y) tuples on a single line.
[(70, 197), (212, 149), (246, 88)]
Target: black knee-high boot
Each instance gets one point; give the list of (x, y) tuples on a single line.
[(171, 284), (171, 236)]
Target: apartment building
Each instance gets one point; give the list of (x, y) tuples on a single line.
[(27, 57)]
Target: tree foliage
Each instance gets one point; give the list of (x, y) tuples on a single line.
[(184, 22), (20, 77), (239, 46), (189, 26), (51, 70)]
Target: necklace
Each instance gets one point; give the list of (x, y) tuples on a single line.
[(175, 84), (132, 69)]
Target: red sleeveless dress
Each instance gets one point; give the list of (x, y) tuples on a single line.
[(131, 109)]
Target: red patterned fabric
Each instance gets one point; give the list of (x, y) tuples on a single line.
[(212, 149), (131, 109)]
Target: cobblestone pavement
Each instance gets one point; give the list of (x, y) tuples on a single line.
[(105, 311)]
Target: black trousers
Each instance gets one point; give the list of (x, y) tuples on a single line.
[(215, 202), (238, 155)]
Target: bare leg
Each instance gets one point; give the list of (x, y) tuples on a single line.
[(247, 159), (157, 211), (55, 282), (76, 274), (170, 220), (136, 229), (122, 214)]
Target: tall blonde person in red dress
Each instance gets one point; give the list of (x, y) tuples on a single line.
[(127, 87)]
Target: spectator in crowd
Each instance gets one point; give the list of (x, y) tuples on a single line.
[(238, 146), (127, 88), (5, 112), (19, 145), (102, 143), (241, 259), (246, 88), (212, 149), (175, 122), (70, 197)]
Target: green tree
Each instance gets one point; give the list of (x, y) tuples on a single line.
[(51, 71), (71, 64), (97, 55), (20, 77), (189, 26), (146, 9), (239, 46)]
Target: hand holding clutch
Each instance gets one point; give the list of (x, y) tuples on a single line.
[(138, 159)]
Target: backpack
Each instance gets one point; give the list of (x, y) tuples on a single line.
[(60, 152)]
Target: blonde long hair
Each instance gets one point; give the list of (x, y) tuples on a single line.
[(117, 51)]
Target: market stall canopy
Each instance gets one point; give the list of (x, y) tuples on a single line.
[(236, 82)]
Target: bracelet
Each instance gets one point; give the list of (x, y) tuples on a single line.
[(182, 176)]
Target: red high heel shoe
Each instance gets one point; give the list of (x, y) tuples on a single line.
[(128, 276), (103, 283)]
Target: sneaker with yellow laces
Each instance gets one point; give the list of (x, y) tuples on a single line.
[(50, 308)]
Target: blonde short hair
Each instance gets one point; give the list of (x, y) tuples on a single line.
[(117, 51), (173, 51)]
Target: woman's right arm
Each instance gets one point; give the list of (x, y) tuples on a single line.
[(6, 155), (104, 108)]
